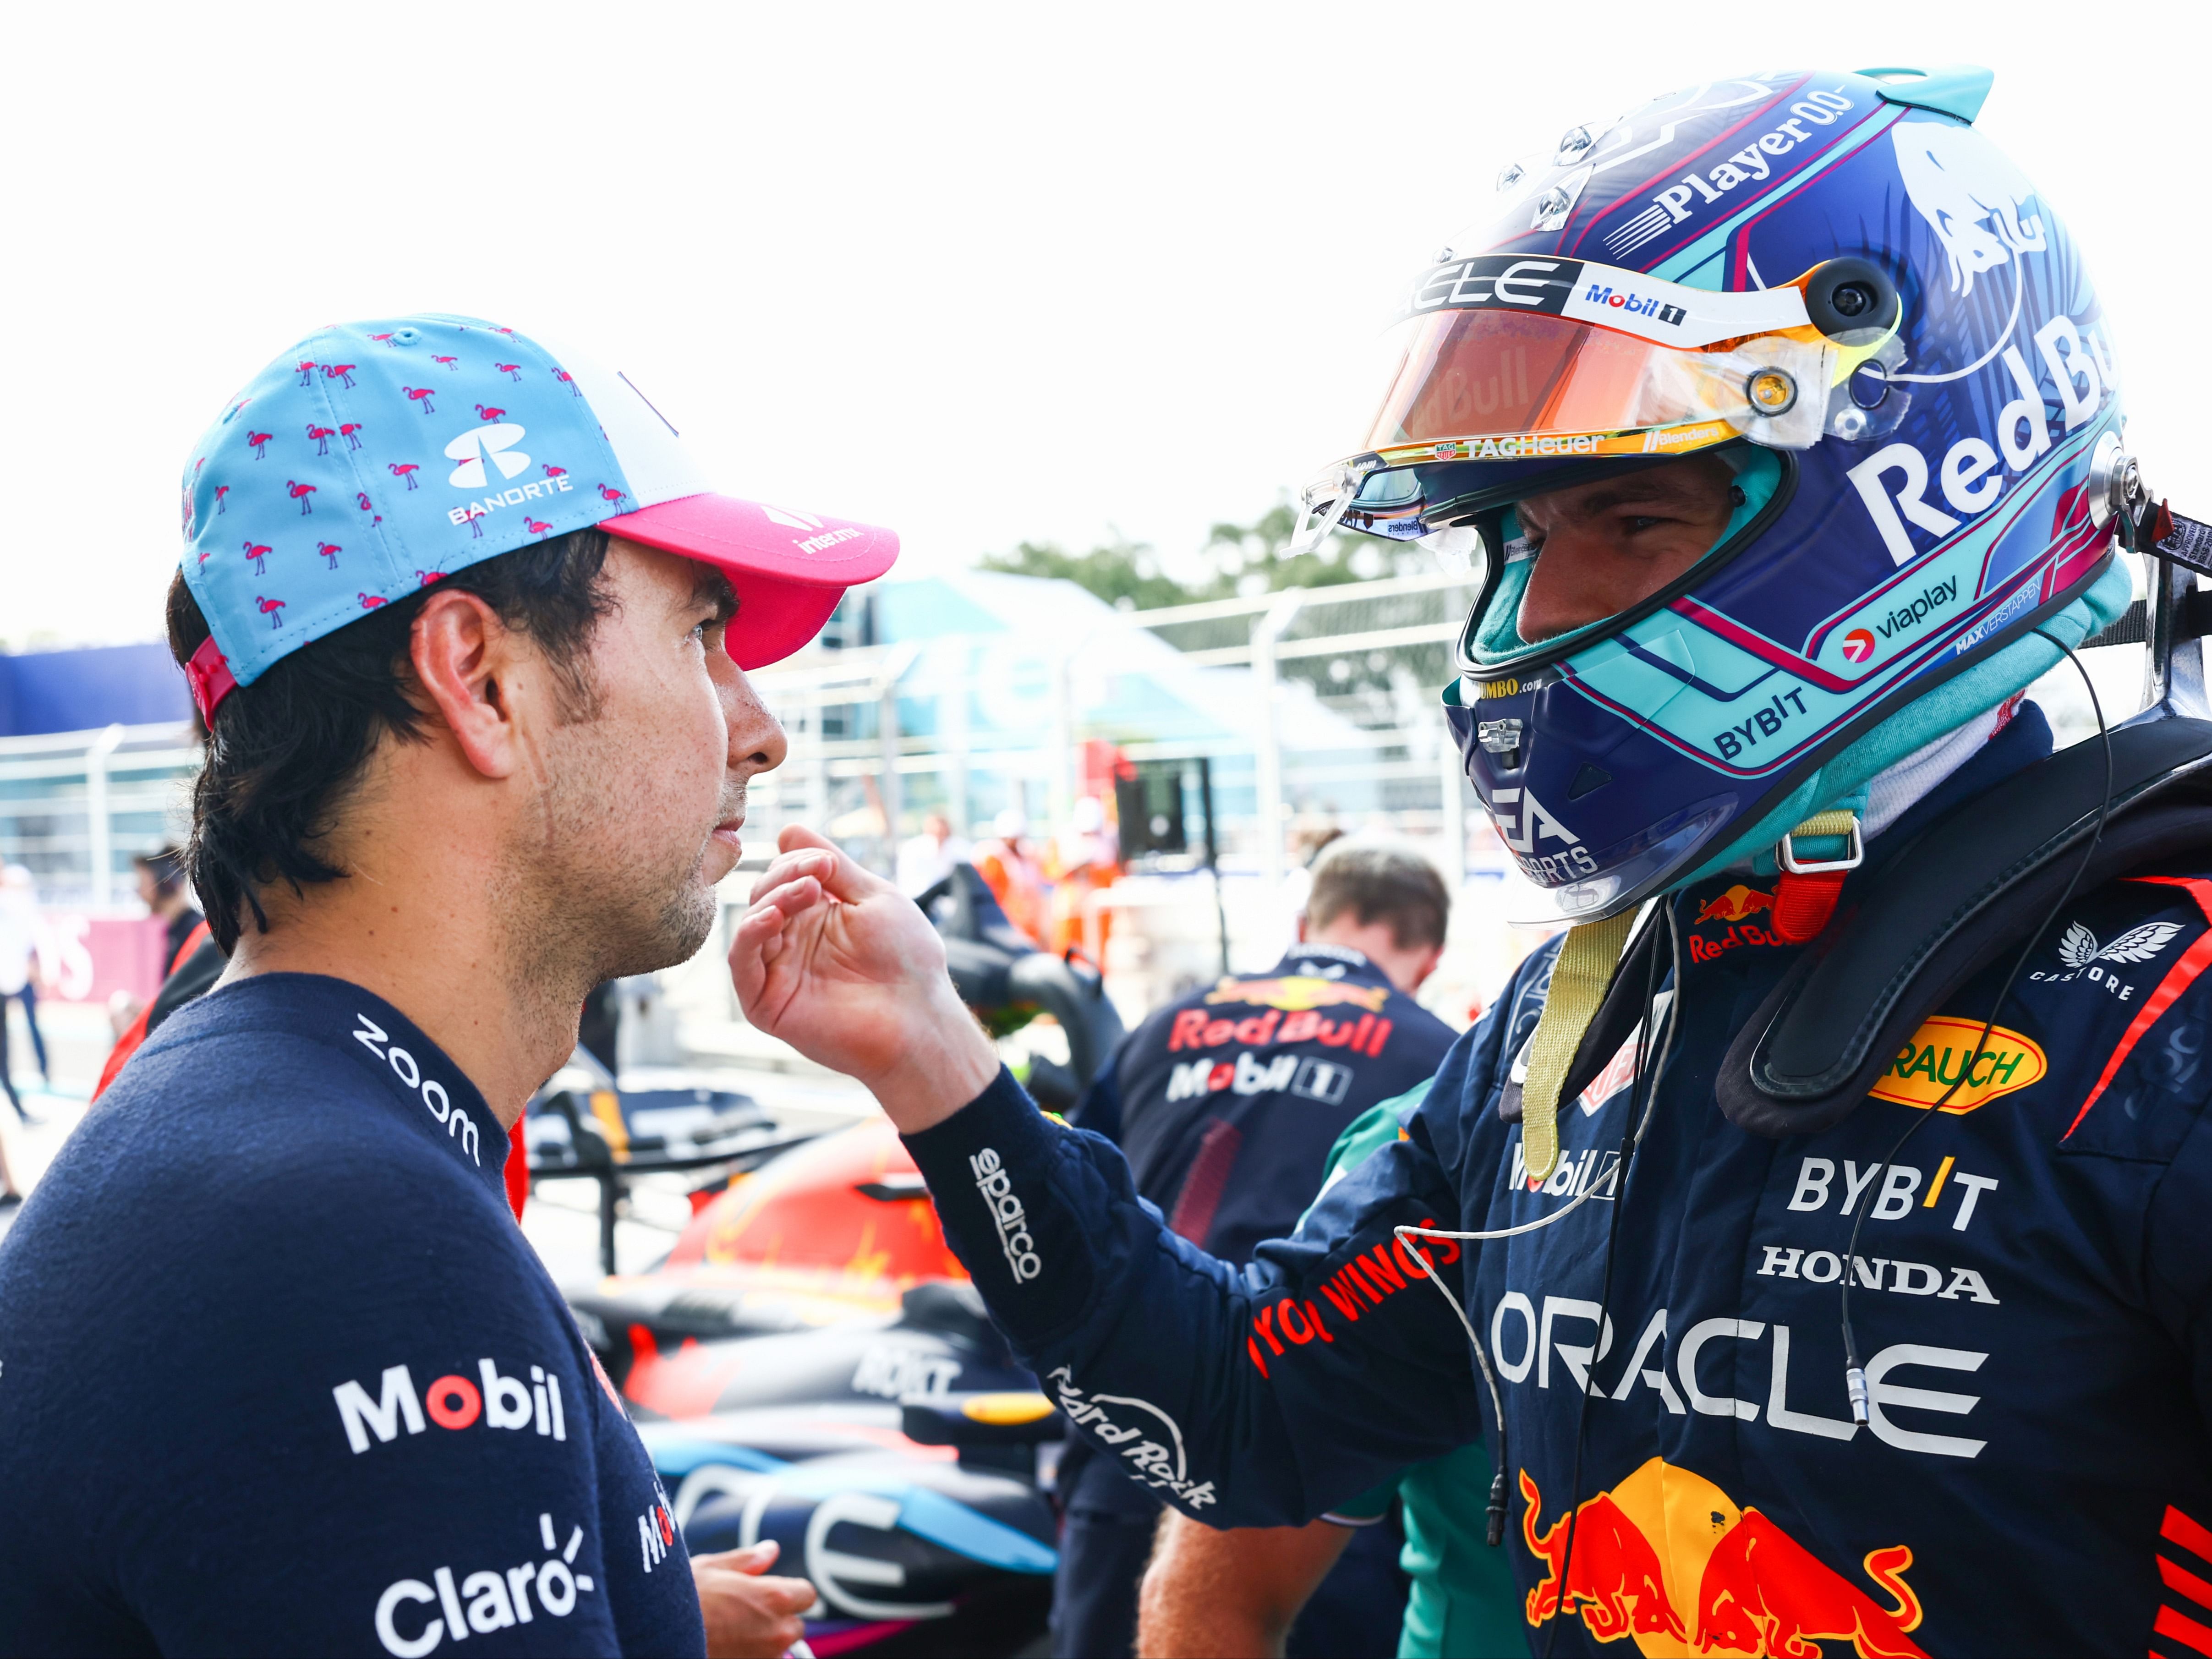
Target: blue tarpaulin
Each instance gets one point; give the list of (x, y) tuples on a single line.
[(83, 690)]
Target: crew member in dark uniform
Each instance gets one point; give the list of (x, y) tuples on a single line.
[(1227, 1103)]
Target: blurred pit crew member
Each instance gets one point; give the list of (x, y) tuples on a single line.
[(1243, 1591), (1227, 1104), (1832, 1261), (470, 653)]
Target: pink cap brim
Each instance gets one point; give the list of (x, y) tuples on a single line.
[(789, 570)]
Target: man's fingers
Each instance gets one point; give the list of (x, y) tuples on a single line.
[(844, 878), (786, 1595), (751, 1558), (786, 867)]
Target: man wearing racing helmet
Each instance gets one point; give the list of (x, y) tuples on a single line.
[(1817, 1230), (282, 1374)]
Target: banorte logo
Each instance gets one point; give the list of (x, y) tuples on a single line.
[(1667, 1559), (494, 443)]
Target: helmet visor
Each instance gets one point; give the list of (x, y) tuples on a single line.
[(1486, 383)]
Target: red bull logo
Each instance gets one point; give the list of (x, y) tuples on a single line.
[(1301, 992), (1738, 904), (1667, 1559)]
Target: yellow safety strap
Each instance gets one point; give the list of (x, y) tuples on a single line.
[(1587, 959)]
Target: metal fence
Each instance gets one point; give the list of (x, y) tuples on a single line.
[(76, 805), (966, 724)]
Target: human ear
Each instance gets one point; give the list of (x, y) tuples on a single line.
[(463, 659)]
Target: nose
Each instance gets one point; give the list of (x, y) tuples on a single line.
[(757, 743)]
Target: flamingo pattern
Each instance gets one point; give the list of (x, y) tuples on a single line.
[(337, 389)]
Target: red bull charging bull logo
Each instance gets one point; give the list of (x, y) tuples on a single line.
[(1734, 909), (1666, 1559), (1738, 904), (1297, 993)]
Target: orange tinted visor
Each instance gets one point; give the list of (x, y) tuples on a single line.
[(1470, 373)]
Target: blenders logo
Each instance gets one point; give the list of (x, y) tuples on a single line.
[(1500, 281), (1633, 304), (997, 1188), (1753, 163)]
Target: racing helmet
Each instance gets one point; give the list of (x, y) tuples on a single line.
[(1832, 286)]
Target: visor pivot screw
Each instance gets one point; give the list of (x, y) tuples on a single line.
[(1771, 392), (1508, 176), (2116, 486), (1852, 299)]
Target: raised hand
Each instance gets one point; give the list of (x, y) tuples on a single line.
[(749, 1615), (846, 969)]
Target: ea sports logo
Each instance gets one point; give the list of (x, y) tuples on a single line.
[(1858, 645), (494, 443)]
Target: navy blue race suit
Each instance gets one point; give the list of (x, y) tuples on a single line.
[(2033, 1274), (279, 1373), (1227, 1103)]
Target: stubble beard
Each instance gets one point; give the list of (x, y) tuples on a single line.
[(590, 903)]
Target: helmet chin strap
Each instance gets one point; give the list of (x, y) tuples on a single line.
[(1584, 967)]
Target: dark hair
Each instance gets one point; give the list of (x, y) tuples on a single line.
[(166, 867), (284, 752), (1380, 883)]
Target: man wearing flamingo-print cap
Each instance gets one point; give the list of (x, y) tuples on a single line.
[(469, 634)]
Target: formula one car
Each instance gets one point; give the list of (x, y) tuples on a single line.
[(809, 1363)]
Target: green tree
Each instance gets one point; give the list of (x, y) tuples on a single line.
[(1124, 574), (1236, 559), (1254, 558)]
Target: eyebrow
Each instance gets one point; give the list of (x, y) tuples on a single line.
[(711, 587), (1657, 492)]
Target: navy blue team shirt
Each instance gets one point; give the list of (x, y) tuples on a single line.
[(1227, 1102), (280, 1374)]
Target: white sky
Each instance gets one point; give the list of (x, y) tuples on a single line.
[(978, 274)]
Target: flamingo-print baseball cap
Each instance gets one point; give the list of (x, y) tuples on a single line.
[(374, 458)]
